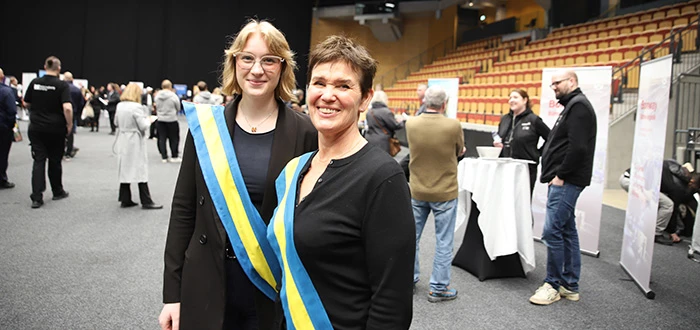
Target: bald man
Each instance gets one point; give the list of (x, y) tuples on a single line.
[(567, 165), (8, 111), (420, 93), (78, 102)]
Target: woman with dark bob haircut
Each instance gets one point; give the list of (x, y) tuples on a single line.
[(220, 272), (343, 231)]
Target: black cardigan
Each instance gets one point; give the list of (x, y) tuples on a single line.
[(570, 146), (194, 251)]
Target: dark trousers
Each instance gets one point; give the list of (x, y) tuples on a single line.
[(240, 300), (95, 121), (46, 146), (168, 131), (144, 193), (112, 125), (153, 131), (70, 138), (6, 137), (533, 177)]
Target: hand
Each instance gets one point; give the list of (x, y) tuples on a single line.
[(169, 318), (498, 144), (464, 149), (69, 127), (556, 181)]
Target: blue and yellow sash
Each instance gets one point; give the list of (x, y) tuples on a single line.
[(303, 308), (244, 225)]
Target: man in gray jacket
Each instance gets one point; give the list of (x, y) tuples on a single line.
[(204, 96), (167, 107)]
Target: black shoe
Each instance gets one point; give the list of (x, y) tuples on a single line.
[(37, 204), (152, 206), (6, 185), (128, 204), (62, 195), (73, 152), (661, 239)]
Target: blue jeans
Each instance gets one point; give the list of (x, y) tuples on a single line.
[(561, 237), (445, 215)]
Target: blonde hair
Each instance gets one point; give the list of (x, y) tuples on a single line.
[(132, 93), (380, 96), (278, 46), (166, 84)]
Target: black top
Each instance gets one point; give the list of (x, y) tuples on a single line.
[(379, 120), (8, 109), (674, 182), (253, 154), (522, 135), (570, 146), (355, 235), (76, 98), (46, 96)]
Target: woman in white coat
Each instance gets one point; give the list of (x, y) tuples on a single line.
[(133, 121)]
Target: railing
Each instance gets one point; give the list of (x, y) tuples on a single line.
[(626, 76), (416, 63), (686, 122)]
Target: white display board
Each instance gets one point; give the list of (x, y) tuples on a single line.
[(451, 86), (595, 83), (645, 171)]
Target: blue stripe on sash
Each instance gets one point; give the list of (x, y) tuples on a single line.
[(303, 307), (258, 245)]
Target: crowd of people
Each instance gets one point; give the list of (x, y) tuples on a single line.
[(282, 208)]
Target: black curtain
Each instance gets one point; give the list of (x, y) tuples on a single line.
[(147, 40), (569, 12)]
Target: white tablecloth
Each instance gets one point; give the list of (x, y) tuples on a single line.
[(501, 190)]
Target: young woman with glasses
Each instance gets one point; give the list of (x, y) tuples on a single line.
[(217, 273)]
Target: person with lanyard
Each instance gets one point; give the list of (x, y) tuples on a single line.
[(520, 131), (220, 272), (343, 232)]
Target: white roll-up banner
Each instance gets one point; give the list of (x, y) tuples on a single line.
[(595, 83), (645, 171), (451, 86)]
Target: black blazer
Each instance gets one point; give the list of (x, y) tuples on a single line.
[(194, 250)]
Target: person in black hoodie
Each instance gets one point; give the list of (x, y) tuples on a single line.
[(520, 136), (567, 165)]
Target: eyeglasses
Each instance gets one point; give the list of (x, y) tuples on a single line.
[(556, 83), (268, 62)]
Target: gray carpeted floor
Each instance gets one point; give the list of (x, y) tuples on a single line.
[(85, 263)]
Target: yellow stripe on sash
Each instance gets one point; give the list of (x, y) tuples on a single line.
[(297, 309), (228, 188)]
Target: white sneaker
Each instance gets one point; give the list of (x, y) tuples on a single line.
[(175, 160), (545, 295), (568, 294), (164, 160)]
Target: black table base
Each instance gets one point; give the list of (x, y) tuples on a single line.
[(473, 258)]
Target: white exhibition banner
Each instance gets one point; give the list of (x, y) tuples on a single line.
[(595, 83), (451, 86), (645, 170), (27, 77), (80, 83)]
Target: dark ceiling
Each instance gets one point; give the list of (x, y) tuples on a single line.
[(331, 3)]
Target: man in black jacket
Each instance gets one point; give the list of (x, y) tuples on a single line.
[(567, 165)]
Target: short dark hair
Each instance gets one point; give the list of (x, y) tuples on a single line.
[(344, 49), (52, 63), (202, 86)]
